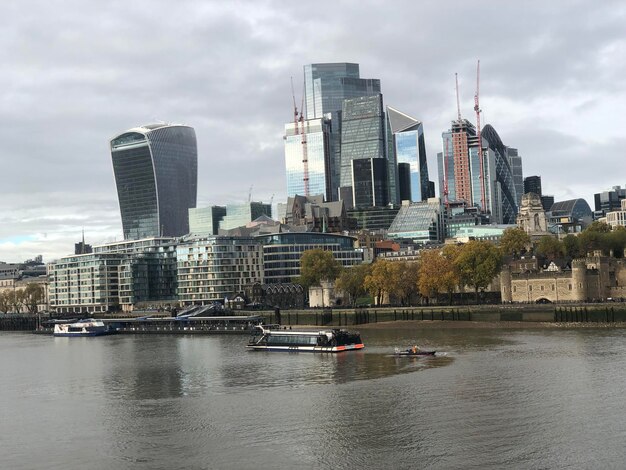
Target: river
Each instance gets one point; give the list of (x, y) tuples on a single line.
[(493, 398)]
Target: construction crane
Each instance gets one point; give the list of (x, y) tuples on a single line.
[(299, 123), (480, 142), (446, 156), (458, 104)]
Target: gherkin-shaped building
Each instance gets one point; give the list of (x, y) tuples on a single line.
[(156, 174)]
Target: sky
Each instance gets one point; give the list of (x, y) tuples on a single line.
[(76, 73)]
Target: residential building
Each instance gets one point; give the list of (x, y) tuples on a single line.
[(212, 268), (156, 172)]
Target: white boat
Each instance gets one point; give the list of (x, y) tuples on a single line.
[(335, 340), (86, 327)]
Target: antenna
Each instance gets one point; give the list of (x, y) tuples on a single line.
[(480, 141)]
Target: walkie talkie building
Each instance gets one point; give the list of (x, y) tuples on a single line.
[(156, 174)]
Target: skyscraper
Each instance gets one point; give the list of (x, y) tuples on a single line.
[(156, 174), (407, 139), (492, 191), (316, 143), (532, 184), (326, 86)]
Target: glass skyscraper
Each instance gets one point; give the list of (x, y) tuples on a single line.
[(156, 174), (326, 86), (317, 134), (407, 135)]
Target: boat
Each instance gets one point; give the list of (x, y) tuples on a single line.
[(86, 327), (410, 352), (329, 341)]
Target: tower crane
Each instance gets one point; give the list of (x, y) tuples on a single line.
[(480, 142), (299, 123)]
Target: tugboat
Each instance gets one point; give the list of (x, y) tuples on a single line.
[(86, 327), (331, 341)]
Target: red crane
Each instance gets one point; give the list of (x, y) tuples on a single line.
[(480, 142)]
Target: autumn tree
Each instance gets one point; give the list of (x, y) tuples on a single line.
[(15, 299), (381, 280), (407, 275), (478, 263), (352, 281), (5, 301), (318, 265), (33, 296), (514, 242), (617, 241), (437, 273), (550, 247)]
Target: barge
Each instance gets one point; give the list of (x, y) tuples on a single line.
[(329, 341)]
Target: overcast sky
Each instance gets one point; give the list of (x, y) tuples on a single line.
[(75, 73)]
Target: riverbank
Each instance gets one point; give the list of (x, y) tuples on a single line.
[(502, 325)]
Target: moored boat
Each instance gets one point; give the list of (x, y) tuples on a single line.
[(86, 327), (332, 341)]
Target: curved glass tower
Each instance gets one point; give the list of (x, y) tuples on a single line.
[(156, 174)]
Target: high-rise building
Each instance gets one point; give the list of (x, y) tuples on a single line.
[(407, 142), (532, 184), (205, 221), (492, 191), (326, 86), (363, 138), (316, 143), (156, 173), (515, 162)]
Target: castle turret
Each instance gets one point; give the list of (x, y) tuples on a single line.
[(505, 284), (579, 280)]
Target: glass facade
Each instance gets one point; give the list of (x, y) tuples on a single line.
[(238, 215), (325, 87), (409, 147), (205, 220), (362, 136), (156, 172), (282, 252), (369, 180), (421, 222), (318, 158)]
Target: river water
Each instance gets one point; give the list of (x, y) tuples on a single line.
[(494, 398)]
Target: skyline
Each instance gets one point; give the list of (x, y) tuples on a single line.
[(550, 86)]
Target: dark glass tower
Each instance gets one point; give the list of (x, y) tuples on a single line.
[(156, 174)]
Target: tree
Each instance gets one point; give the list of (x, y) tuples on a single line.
[(15, 299), (571, 246), (407, 275), (5, 301), (592, 240), (478, 263), (550, 247), (437, 273), (617, 241), (381, 280), (352, 281), (33, 296), (318, 265), (597, 226), (514, 242)]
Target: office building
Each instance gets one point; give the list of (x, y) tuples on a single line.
[(308, 158), (238, 215), (488, 182), (515, 162), (205, 220), (156, 172), (609, 200), (406, 136), (532, 184), (326, 86), (422, 222), (363, 138)]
